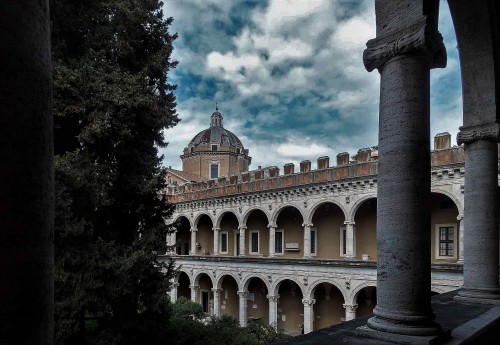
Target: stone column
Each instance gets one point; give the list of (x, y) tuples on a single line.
[(243, 307), (216, 293), (26, 174), (350, 311), (406, 48), (173, 292), (273, 310), (272, 239), (242, 229), (308, 315), (350, 252), (171, 242), (460, 219), (481, 215), (216, 240), (193, 241), (307, 240), (195, 289)]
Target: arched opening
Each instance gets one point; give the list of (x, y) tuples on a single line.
[(183, 290), (366, 301), (205, 294), (365, 231), (257, 234), (205, 236), (289, 233), (444, 229), (183, 236), (328, 224), (229, 302), (328, 308), (228, 235), (290, 308), (257, 302)]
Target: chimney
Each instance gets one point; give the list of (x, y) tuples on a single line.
[(289, 168), (442, 141), (343, 159), (323, 162), (259, 174), (305, 166)]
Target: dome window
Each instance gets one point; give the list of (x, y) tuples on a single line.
[(214, 170)]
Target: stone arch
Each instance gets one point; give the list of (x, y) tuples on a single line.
[(276, 285), (314, 208), (312, 287), (355, 292), (276, 213), (176, 218), (177, 276), (196, 278), (354, 208), (220, 279), (247, 213), (329, 300), (222, 214), (456, 201), (199, 215), (246, 281)]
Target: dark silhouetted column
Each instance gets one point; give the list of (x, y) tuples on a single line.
[(26, 175)]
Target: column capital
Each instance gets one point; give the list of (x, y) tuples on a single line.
[(307, 225), (242, 294), (349, 222), (460, 216), (273, 298), (308, 302), (216, 291), (215, 229), (242, 227), (175, 285), (350, 307), (488, 131), (271, 225), (193, 229), (419, 37), (194, 287)]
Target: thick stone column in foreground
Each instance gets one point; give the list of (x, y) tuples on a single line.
[(406, 48), (26, 174), (476, 26)]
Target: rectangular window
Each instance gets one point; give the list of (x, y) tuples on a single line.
[(343, 241), (214, 148), (223, 242), (313, 242), (254, 242), (214, 170), (278, 241), (446, 235)]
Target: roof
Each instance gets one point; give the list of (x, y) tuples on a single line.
[(187, 176)]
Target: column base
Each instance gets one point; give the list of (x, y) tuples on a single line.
[(349, 257), (365, 331), (479, 295)]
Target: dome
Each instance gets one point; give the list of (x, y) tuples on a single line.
[(216, 135)]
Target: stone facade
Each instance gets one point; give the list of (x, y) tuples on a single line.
[(299, 249)]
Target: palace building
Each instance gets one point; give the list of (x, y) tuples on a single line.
[(298, 248)]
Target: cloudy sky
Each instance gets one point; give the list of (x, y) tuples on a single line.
[(288, 76)]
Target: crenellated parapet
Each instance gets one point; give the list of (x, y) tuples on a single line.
[(357, 170)]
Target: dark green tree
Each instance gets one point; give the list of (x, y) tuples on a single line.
[(112, 102)]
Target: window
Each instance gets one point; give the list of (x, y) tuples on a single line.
[(214, 148), (223, 242), (254, 242), (314, 242), (278, 241), (343, 241), (446, 241), (214, 170)]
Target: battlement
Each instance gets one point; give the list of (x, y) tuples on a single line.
[(363, 164)]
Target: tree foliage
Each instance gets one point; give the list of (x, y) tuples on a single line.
[(112, 102)]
